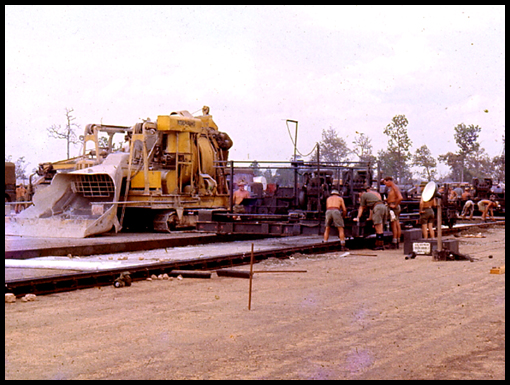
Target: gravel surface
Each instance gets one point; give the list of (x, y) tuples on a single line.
[(351, 317)]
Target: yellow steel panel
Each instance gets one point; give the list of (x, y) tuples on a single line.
[(178, 142), (178, 123), (154, 180), (207, 121)]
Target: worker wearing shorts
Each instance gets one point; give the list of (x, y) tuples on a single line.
[(335, 209), (486, 205), (427, 216), (334, 218), (372, 200), (427, 222), (396, 210), (379, 213), (469, 207)]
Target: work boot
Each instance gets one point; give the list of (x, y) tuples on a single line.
[(379, 245)]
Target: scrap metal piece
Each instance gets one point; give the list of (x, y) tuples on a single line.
[(449, 255), (123, 280), (412, 255), (498, 270)]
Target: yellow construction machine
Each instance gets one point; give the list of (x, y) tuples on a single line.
[(166, 172)]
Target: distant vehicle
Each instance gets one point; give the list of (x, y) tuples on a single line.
[(10, 182)]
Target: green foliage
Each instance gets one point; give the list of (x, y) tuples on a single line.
[(332, 148), (498, 163), (466, 138), (424, 159), (470, 160), (391, 165), (399, 146), (396, 160), (454, 161)]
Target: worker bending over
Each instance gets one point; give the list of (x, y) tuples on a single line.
[(335, 211), (486, 205), (373, 201)]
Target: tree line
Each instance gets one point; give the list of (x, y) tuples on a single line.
[(468, 162)]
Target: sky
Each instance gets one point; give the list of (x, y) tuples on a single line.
[(350, 68)]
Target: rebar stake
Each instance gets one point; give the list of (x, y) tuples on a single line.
[(251, 277)]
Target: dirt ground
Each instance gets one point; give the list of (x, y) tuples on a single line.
[(353, 317)]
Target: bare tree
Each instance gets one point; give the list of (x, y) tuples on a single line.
[(67, 132), (20, 166), (363, 148)]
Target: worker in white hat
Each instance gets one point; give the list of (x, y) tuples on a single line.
[(335, 211)]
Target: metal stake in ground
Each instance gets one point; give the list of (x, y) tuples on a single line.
[(251, 277)]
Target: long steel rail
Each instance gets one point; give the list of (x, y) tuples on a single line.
[(201, 267), (198, 268)]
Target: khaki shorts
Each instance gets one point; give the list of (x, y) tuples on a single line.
[(396, 211), (334, 217), (427, 216), (239, 209), (380, 214)]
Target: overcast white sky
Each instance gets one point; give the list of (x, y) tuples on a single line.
[(352, 68)]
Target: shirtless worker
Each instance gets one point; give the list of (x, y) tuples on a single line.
[(427, 217), (21, 193), (373, 201), (466, 195), (394, 198), (238, 197), (335, 211), (469, 207), (486, 205)]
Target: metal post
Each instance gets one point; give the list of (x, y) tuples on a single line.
[(439, 224), (379, 177), (295, 142), (231, 186), (296, 199), (318, 189), (251, 277)]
